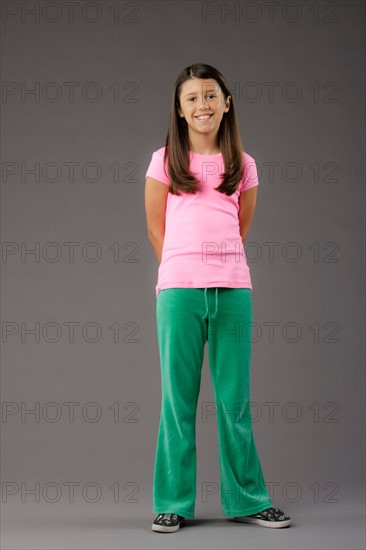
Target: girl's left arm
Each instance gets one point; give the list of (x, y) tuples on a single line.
[(247, 203)]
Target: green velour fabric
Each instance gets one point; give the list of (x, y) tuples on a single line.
[(186, 319)]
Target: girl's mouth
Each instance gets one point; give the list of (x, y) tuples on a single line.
[(204, 118)]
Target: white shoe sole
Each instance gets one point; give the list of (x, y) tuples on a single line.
[(165, 528), (264, 523)]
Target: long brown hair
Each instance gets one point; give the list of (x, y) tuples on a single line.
[(177, 143)]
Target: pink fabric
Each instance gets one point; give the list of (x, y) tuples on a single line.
[(202, 243)]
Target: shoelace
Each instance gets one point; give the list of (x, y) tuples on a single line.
[(273, 514), (166, 518)]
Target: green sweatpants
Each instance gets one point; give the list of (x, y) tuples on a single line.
[(186, 319)]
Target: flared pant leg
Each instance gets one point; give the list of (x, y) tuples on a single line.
[(182, 333), (243, 490)]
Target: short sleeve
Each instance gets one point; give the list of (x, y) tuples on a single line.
[(156, 168), (250, 178)]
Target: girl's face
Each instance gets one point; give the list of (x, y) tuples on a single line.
[(202, 96)]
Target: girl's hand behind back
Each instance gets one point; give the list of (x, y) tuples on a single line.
[(156, 193)]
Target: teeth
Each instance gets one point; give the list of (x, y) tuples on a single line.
[(202, 117)]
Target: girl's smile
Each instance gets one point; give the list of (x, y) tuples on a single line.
[(204, 118)]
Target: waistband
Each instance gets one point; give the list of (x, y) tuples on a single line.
[(216, 304)]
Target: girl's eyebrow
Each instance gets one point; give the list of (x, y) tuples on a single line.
[(207, 92)]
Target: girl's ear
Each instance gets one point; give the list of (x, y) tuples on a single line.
[(179, 110)]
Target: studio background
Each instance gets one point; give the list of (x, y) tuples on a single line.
[(86, 96)]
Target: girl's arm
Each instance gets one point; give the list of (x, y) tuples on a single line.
[(247, 202), (156, 193)]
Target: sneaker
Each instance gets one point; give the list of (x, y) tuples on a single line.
[(167, 523), (270, 517)]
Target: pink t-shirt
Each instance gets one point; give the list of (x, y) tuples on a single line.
[(202, 243)]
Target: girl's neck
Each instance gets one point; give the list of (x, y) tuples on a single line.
[(206, 153), (204, 147)]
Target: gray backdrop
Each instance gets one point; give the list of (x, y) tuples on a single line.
[(85, 101)]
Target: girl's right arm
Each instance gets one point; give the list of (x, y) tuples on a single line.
[(156, 193)]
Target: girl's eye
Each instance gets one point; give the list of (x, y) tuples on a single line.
[(211, 95)]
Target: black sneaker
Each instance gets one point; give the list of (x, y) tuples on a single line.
[(270, 517), (167, 523)]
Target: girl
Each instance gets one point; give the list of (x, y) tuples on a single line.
[(200, 198)]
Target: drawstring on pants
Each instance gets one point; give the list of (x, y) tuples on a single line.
[(216, 304)]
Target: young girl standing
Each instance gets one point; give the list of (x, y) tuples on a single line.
[(200, 198)]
